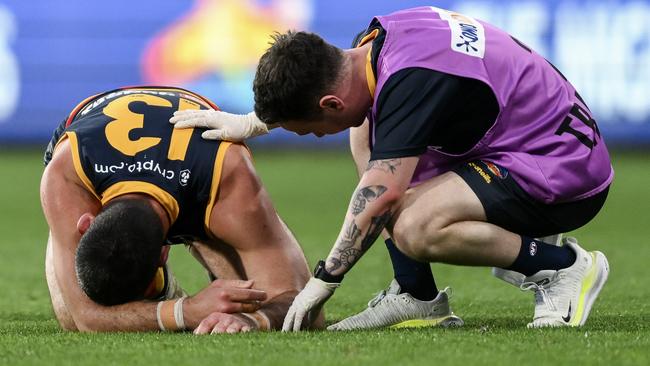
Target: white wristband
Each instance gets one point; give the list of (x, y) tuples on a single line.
[(178, 313), (160, 323), (257, 324), (261, 320)]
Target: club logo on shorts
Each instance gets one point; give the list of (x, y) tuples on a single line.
[(467, 34), (532, 249), (496, 170), (184, 177)]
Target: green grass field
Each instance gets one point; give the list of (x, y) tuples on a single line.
[(311, 191)]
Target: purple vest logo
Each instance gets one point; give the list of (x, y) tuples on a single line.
[(467, 34)]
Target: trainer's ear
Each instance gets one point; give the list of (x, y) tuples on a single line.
[(84, 222), (331, 103)]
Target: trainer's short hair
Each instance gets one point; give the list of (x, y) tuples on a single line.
[(118, 256), (294, 73)]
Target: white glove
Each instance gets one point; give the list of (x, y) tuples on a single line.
[(310, 299), (221, 125)]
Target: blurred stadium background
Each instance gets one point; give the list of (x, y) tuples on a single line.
[(53, 53)]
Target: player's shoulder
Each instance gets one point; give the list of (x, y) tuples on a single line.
[(237, 165), (61, 160), (237, 157), (61, 180)]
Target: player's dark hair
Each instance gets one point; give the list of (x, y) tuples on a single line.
[(294, 73), (118, 256)]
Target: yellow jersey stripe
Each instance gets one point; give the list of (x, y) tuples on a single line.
[(368, 37), (372, 83), (216, 178), (168, 202), (370, 76), (76, 161)]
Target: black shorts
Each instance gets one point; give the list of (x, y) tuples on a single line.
[(508, 206)]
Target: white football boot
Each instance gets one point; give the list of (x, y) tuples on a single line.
[(393, 309), (565, 297)]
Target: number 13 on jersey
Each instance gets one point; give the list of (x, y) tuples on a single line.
[(117, 131)]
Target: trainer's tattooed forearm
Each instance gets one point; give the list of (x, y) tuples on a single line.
[(365, 195), (333, 264), (388, 165), (352, 245), (352, 233), (349, 257), (377, 224)]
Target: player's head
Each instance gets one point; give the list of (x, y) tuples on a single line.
[(294, 76), (119, 253)]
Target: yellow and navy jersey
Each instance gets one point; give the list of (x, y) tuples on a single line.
[(122, 142)]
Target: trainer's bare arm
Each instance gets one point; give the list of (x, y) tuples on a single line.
[(244, 218), (371, 208), (360, 149), (65, 200), (360, 146)]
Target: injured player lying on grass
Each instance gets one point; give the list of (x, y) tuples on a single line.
[(106, 262)]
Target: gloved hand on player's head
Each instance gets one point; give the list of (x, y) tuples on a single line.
[(308, 304), (221, 125)]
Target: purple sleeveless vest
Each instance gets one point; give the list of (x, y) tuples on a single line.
[(544, 134)]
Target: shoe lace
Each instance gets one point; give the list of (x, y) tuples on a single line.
[(377, 299), (540, 291)]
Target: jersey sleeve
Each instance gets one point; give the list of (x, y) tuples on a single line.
[(411, 104)]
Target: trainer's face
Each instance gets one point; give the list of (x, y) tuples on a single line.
[(318, 128)]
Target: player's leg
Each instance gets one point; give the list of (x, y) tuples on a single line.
[(461, 218), (60, 310)]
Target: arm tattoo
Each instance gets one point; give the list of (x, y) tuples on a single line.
[(349, 257), (333, 264), (377, 224), (365, 195), (388, 165), (351, 235), (349, 249)]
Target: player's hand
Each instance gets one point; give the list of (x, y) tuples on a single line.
[(225, 323), (222, 296), (221, 125), (308, 304)]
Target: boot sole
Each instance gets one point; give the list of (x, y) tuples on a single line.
[(592, 289), (443, 322)]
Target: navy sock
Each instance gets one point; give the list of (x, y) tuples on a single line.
[(413, 277), (535, 256)]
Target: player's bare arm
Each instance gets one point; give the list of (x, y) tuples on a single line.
[(246, 220), (65, 200)]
